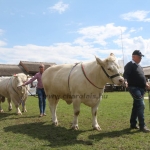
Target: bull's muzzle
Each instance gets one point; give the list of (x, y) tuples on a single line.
[(20, 88), (121, 80)]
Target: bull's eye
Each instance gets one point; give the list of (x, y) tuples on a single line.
[(109, 69)]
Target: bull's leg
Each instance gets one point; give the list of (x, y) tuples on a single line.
[(95, 124), (53, 107), (76, 107), (17, 109), (16, 105), (9, 104), (24, 106)]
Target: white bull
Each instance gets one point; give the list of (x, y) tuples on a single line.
[(83, 83), (11, 89)]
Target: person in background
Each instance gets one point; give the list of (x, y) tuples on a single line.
[(40, 90), (136, 82)]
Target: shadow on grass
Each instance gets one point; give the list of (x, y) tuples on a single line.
[(113, 134), (56, 136), (9, 115), (4, 115)]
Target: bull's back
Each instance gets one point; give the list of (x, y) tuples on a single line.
[(55, 79)]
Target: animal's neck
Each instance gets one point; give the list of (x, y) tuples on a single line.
[(95, 74)]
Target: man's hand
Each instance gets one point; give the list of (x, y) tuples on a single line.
[(148, 85), (32, 86), (126, 84), (23, 84)]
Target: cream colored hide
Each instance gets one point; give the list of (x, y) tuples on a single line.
[(55, 82), (11, 89)]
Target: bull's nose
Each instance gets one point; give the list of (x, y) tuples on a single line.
[(19, 87)]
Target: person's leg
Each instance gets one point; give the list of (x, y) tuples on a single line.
[(140, 112), (44, 101), (133, 118), (141, 109), (40, 97), (138, 106)]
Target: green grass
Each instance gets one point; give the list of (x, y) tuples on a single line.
[(29, 132)]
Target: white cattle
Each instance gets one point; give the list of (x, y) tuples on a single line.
[(82, 83), (11, 89)]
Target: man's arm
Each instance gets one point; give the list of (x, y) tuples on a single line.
[(30, 81), (127, 73)]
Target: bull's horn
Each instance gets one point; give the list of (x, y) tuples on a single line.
[(95, 56)]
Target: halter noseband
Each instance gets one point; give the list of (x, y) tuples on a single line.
[(110, 77)]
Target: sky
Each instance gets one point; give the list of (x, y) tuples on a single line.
[(70, 31)]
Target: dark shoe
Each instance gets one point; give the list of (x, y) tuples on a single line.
[(134, 127), (145, 129)]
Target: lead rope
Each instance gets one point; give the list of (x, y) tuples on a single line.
[(31, 93), (82, 67), (88, 78), (70, 74)]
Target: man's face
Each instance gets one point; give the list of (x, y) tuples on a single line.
[(41, 69), (136, 58)]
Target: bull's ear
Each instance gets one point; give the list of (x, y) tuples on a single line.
[(99, 62)]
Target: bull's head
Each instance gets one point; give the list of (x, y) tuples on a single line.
[(111, 69), (20, 79)]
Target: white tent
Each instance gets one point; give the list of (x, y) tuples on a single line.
[(32, 90)]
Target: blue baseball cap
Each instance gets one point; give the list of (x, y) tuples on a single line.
[(137, 52)]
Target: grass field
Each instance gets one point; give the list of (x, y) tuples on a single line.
[(29, 132)]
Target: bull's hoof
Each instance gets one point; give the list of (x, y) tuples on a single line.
[(55, 124), (24, 110), (9, 109), (1, 111), (75, 127), (19, 113), (97, 128)]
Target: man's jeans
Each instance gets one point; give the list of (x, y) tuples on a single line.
[(138, 106), (42, 100)]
